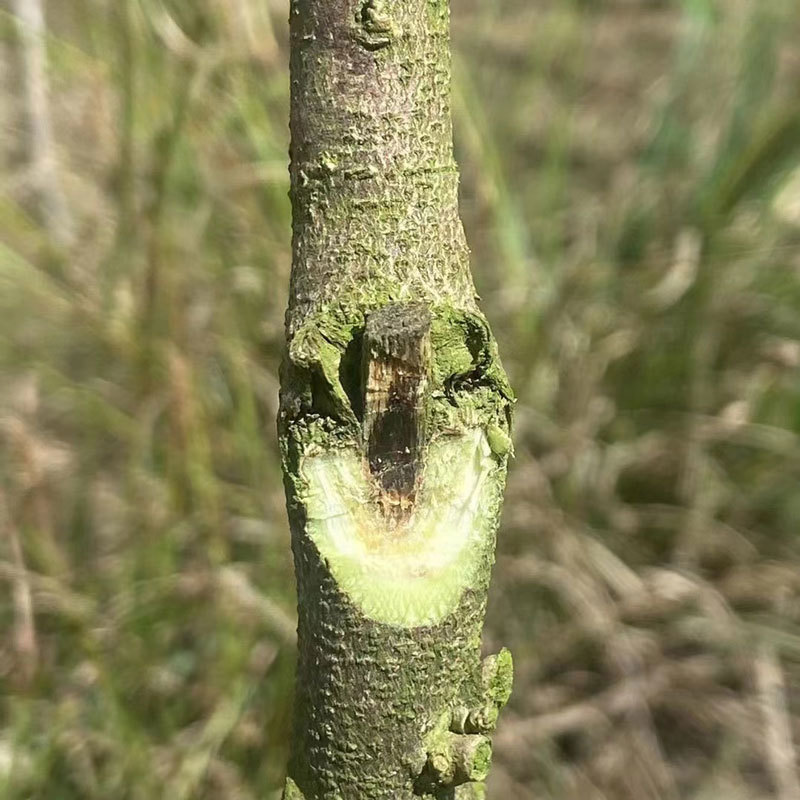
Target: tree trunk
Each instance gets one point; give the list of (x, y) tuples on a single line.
[(394, 419)]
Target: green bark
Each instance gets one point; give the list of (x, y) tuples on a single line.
[(393, 548)]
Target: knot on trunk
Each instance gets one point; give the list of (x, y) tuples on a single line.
[(375, 30)]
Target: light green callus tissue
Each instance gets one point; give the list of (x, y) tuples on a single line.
[(413, 572)]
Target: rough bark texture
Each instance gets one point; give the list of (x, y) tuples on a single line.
[(386, 344)]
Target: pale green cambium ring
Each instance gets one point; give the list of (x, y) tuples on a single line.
[(414, 573)]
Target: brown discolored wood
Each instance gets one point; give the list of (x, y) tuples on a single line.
[(397, 362)]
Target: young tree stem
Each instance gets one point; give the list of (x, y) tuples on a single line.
[(393, 400)]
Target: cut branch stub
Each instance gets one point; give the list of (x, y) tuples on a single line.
[(397, 363)]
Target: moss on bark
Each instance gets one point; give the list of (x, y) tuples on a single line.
[(392, 698)]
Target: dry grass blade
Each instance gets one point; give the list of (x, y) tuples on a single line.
[(25, 642), (204, 745), (608, 707), (779, 749), (236, 586), (35, 85)]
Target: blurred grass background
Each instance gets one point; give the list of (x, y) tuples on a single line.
[(631, 192)]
